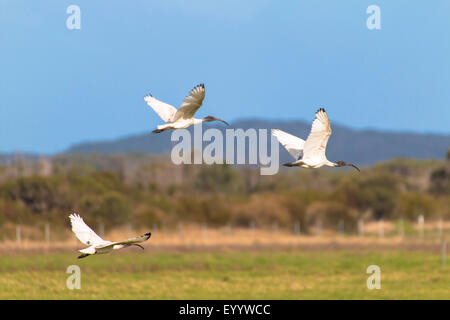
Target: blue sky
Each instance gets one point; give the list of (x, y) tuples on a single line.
[(258, 58)]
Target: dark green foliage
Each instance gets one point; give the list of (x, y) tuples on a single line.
[(440, 181), (211, 210), (217, 178), (413, 204), (38, 194), (377, 193), (330, 214)]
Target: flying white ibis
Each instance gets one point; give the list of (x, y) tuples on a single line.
[(184, 116), (96, 244), (310, 153)]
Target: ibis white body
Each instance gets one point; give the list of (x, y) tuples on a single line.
[(184, 116), (312, 152), (180, 124), (96, 244), (100, 250)]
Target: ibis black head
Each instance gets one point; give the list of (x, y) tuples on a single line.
[(343, 164), (211, 118)]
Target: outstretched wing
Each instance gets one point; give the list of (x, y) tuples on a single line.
[(294, 145), (85, 234), (316, 143), (164, 110), (130, 241), (191, 103)]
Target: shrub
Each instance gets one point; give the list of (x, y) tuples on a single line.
[(411, 205), (329, 214)]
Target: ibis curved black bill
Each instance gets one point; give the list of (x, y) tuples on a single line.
[(211, 118)]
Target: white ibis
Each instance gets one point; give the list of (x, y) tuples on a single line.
[(310, 153), (184, 116), (96, 244)]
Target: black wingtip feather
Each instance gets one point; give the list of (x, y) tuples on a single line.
[(289, 164)]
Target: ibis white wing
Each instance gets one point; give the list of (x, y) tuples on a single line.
[(191, 103), (294, 145), (164, 110), (85, 234), (130, 241), (316, 143)]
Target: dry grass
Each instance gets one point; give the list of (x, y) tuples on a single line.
[(198, 263), (193, 238)]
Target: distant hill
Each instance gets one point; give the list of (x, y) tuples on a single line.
[(6, 158), (363, 147)]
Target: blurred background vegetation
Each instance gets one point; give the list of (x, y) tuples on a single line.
[(141, 190)]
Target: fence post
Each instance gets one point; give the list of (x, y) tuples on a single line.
[(361, 227), (275, 227), (381, 228), (319, 227), (341, 227), (252, 227), (297, 228), (102, 229), (420, 221), (128, 229), (180, 230), (47, 233), (444, 253), (205, 231), (228, 229), (402, 228), (18, 234), (440, 227)]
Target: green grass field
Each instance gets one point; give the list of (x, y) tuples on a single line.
[(227, 275)]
